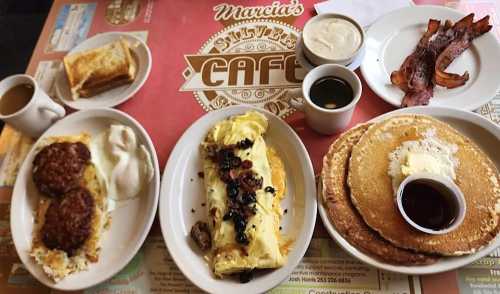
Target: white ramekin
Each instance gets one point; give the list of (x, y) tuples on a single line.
[(319, 60), (444, 183)]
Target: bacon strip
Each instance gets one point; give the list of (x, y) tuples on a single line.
[(450, 32), (451, 80), (453, 50), (416, 98), (404, 78)]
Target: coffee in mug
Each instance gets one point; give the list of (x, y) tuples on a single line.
[(26, 107), (331, 92), (16, 98), (328, 97)]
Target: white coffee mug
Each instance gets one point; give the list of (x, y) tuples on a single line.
[(322, 120), (38, 114)]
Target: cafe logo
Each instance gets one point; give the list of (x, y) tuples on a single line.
[(251, 61)]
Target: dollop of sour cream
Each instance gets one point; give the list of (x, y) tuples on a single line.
[(124, 164), (332, 38)]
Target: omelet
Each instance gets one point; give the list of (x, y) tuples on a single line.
[(256, 242), (56, 263)]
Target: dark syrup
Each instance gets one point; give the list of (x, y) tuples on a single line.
[(331, 92), (428, 206)]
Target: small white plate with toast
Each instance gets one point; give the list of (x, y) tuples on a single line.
[(131, 219), (116, 94)]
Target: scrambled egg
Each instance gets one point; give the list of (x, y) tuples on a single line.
[(265, 248)]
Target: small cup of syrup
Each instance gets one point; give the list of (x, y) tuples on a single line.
[(431, 203)]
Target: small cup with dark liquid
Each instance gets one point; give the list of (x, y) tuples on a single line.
[(431, 203), (329, 95)]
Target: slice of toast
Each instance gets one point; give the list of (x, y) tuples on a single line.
[(97, 70)]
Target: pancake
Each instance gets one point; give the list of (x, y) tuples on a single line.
[(343, 214), (372, 192)]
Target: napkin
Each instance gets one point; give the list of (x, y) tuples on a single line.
[(363, 11)]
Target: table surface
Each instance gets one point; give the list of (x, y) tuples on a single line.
[(181, 35)]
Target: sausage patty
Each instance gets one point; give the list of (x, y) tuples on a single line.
[(68, 221), (200, 234), (58, 167)]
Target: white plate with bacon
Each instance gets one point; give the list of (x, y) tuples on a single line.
[(405, 68)]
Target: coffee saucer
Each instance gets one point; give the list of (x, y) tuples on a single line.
[(301, 58)]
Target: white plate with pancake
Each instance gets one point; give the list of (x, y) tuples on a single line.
[(482, 132), (395, 35), (182, 191), (130, 220), (115, 96)]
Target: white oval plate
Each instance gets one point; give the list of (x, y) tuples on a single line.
[(182, 190), (301, 58), (395, 36), (480, 130), (130, 221), (115, 96)]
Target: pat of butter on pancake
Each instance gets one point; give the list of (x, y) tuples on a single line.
[(429, 154)]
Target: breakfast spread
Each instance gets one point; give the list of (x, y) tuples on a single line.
[(436, 50), (125, 164), (332, 38), (96, 70), (407, 190), (71, 215), (245, 183)]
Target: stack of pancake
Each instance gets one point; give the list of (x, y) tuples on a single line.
[(358, 196)]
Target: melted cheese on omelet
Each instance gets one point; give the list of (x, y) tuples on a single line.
[(265, 248)]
